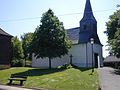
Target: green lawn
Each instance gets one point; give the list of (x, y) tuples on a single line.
[(56, 79)]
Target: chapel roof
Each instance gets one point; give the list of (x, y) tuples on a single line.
[(73, 34)]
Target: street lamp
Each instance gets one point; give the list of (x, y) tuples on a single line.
[(92, 42)]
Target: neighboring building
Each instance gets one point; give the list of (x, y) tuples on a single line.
[(112, 61), (84, 54), (5, 48)]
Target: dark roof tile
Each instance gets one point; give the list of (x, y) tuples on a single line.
[(73, 34), (4, 33)]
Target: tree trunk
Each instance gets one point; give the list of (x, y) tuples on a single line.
[(49, 63)]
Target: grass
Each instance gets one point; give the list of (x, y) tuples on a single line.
[(55, 79)]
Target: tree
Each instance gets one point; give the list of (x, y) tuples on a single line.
[(26, 40), (118, 6), (113, 33), (50, 39), (17, 52)]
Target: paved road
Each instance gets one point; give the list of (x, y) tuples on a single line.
[(109, 80), (3, 87)]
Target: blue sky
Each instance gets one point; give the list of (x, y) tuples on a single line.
[(21, 16)]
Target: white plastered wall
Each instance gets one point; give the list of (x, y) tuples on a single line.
[(96, 49), (44, 63), (78, 52), (81, 57)]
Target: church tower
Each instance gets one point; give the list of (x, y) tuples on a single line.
[(88, 31), (88, 26)]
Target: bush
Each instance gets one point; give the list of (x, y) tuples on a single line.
[(4, 67), (66, 66), (28, 63), (18, 63), (119, 68)]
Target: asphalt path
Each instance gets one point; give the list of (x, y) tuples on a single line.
[(4, 87), (109, 79)]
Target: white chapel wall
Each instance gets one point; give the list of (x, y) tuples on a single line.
[(78, 52), (82, 57), (44, 63), (89, 55), (96, 49)]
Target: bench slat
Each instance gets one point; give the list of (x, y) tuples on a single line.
[(17, 79)]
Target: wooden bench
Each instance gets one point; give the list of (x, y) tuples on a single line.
[(14, 77)]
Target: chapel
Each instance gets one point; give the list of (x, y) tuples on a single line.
[(86, 50)]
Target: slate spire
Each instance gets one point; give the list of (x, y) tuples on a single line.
[(88, 13), (88, 6)]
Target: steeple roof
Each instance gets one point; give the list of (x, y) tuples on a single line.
[(88, 7), (88, 13), (88, 26)]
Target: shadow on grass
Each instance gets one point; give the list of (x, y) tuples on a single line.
[(85, 69), (38, 72), (81, 69)]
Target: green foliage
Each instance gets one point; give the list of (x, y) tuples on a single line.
[(54, 79), (50, 39), (66, 66), (118, 6), (17, 51), (18, 63), (26, 40), (115, 43), (113, 24), (4, 67), (113, 33)]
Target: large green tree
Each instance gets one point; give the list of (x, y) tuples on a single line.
[(49, 39), (113, 33), (18, 55), (26, 40)]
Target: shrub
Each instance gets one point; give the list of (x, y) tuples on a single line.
[(18, 63), (4, 67), (66, 66), (28, 63)]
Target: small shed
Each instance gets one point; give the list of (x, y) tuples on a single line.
[(5, 48), (112, 61)]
